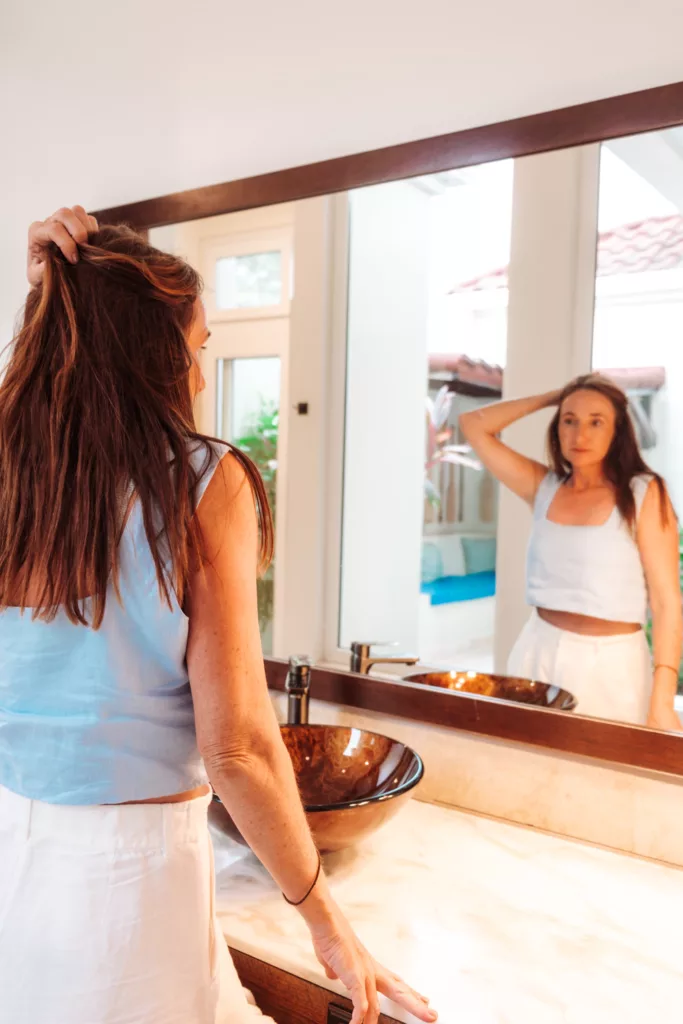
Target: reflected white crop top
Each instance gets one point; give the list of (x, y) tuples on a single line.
[(588, 570)]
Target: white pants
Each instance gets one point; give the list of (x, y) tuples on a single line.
[(107, 917), (610, 676)]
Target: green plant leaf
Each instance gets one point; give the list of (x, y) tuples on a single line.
[(259, 441)]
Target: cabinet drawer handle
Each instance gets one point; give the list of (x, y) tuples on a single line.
[(338, 1014)]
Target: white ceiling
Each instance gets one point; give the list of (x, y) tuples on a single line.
[(103, 102)]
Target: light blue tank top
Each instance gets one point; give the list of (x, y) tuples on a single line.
[(103, 716), (588, 570)]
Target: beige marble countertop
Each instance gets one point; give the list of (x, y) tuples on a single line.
[(498, 924)]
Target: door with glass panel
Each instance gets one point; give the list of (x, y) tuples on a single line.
[(248, 281)]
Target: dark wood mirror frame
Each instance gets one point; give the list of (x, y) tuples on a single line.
[(631, 114)]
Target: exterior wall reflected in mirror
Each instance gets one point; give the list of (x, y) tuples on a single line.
[(426, 341)]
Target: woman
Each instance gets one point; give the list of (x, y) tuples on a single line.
[(604, 544), (131, 673)]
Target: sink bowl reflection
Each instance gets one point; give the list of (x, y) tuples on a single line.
[(351, 781), (513, 688)]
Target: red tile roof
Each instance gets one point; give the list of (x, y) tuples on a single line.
[(470, 371), (653, 244), (489, 375)]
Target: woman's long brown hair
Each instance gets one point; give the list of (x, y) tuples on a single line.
[(96, 400), (623, 461)]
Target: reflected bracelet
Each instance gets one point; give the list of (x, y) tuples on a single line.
[(670, 668), (297, 903)]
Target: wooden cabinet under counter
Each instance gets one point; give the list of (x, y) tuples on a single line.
[(291, 1000)]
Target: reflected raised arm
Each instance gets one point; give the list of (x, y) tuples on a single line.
[(481, 428)]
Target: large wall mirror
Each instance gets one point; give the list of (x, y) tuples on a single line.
[(350, 332)]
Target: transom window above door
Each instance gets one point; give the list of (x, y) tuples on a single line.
[(247, 276), (252, 281)]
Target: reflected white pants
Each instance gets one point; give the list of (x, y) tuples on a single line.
[(610, 676), (107, 917)]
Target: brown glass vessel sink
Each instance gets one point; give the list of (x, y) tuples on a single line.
[(512, 688), (351, 781)]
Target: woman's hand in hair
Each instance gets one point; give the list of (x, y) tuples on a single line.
[(67, 228), (553, 398)]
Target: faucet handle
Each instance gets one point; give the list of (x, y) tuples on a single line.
[(299, 675)]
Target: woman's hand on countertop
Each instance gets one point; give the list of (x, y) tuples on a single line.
[(343, 957), (662, 712), (665, 719)]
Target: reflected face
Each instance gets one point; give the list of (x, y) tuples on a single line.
[(197, 336), (586, 428)]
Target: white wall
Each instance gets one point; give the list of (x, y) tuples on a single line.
[(104, 103), (304, 539), (385, 426), (469, 236)]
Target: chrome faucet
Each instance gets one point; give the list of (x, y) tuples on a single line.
[(362, 658), (297, 688)]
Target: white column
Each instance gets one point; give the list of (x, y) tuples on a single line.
[(301, 625), (385, 422), (550, 326)]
